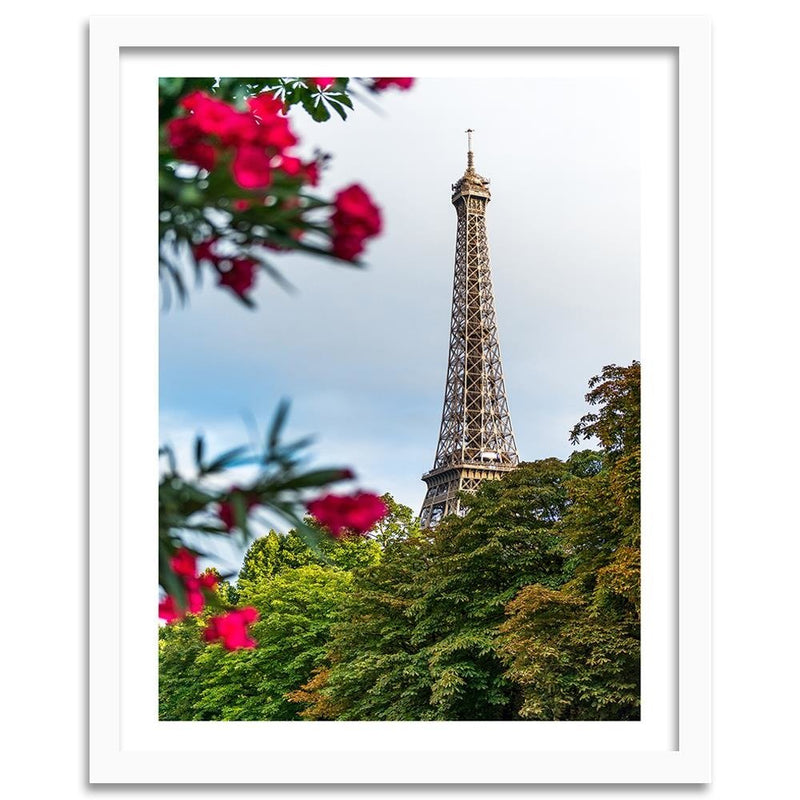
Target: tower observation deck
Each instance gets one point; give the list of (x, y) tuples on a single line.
[(476, 441)]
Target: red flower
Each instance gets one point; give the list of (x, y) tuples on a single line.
[(323, 83), (226, 511), (167, 609), (231, 628), (241, 204), (273, 129), (312, 172), (355, 219), (240, 277), (213, 117), (356, 513), (205, 252), (291, 165), (254, 135), (265, 107), (347, 247), (187, 142), (379, 84), (250, 167), (183, 563)]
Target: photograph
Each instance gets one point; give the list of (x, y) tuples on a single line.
[(399, 398)]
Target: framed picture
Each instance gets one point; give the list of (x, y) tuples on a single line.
[(595, 133)]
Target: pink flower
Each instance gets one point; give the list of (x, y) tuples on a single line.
[(311, 169), (167, 609), (213, 126), (226, 510), (240, 276), (323, 83), (272, 130), (354, 219), (379, 84), (213, 117), (347, 247), (356, 513), (183, 563), (205, 251), (188, 143), (251, 168), (231, 628)]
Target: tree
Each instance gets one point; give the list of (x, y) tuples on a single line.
[(575, 650), (296, 608), (416, 638)]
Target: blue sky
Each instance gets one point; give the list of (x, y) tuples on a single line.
[(362, 353)]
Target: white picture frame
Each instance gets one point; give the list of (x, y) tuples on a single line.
[(124, 751)]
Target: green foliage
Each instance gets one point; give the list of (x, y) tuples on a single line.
[(527, 607), (298, 591), (296, 609), (417, 638), (179, 647), (575, 651), (400, 523)]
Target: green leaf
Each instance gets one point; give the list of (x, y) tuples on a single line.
[(228, 459), (278, 421), (199, 449), (319, 113), (337, 108)]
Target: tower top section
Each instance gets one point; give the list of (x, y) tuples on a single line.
[(471, 183)]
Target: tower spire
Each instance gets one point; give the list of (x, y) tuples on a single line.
[(476, 441)]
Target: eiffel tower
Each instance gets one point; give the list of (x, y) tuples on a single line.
[(476, 442)]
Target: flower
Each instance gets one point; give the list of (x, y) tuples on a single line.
[(226, 511), (187, 142), (183, 563), (231, 628), (272, 129), (240, 275), (379, 84), (204, 251), (251, 168), (212, 126), (356, 513), (355, 219), (167, 609), (323, 83)]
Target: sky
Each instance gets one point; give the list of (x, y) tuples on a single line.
[(362, 354)]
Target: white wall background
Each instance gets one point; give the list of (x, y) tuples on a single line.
[(756, 169)]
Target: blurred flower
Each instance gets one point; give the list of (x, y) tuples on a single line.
[(250, 167), (168, 610), (240, 275), (226, 511), (231, 628), (255, 135), (183, 563), (379, 84), (355, 219), (323, 83), (356, 513)]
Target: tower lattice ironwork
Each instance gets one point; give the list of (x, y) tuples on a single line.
[(476, 441)]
